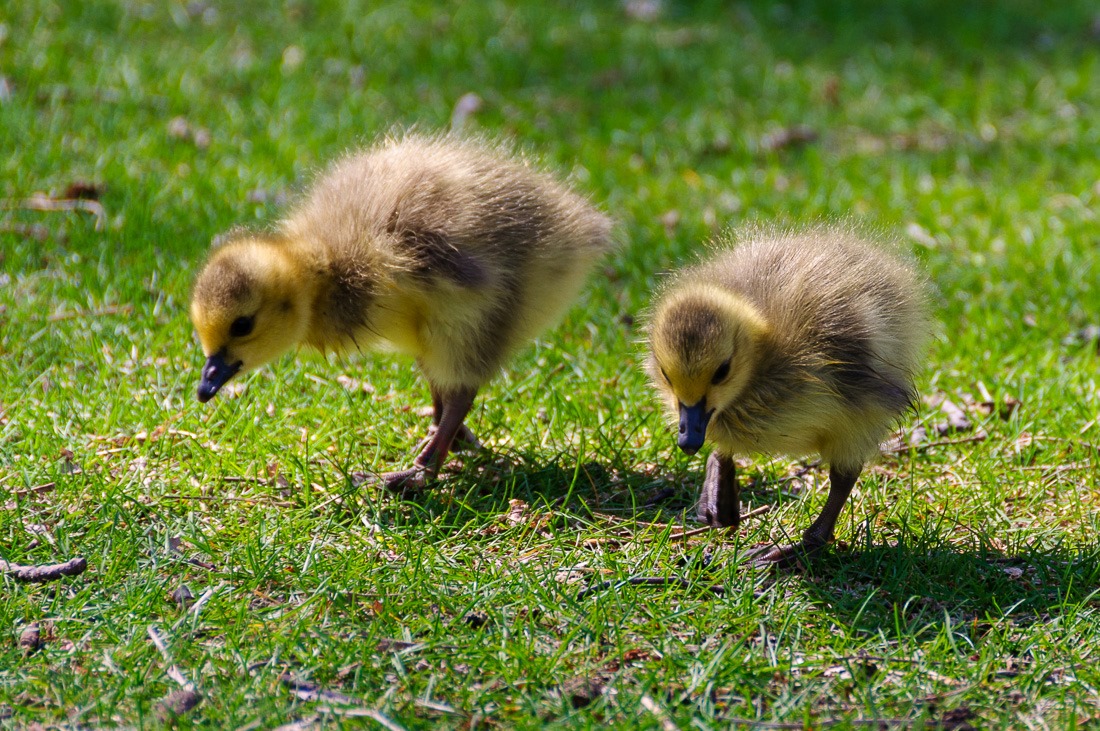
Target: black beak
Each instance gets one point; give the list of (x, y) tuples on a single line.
[(693, 426), (214, 375)]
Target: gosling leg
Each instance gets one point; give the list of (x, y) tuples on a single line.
[(820, 533), (720, 499), (455, 405), (465, 440)]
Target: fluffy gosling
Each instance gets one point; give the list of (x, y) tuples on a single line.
[(450, 251), (788, 343)]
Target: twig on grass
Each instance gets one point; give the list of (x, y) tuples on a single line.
[(312, 692), (171, 671), (178, 702), (716, 589), (370, 713), (101, 312), (660, 713), (36, 490), (44, 573), (822, 723), (1055, 468), (46, 204), (232, 499), (672, 537), (980, 437), (242, 478)]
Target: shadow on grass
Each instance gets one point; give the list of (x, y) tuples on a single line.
[(476, 486), (918, 584), (479, 485), (920, 581)]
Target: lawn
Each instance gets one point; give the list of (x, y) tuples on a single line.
[(230, 554)]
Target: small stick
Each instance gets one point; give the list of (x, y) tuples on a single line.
[(230, 499), (312, 692), (823, 723), (667, 724), (716, 589), (42, 203), (102, 312), (42, 574), (1068, 467), (675, 536), (36, 490), (942, 443), (171, 671)]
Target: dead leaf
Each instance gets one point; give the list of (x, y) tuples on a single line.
[(183, 596), (794, 136), (582, 691), (476, 620), (644, 11), (957, 719), (670, 220), (388, 645), (176, 704), (181, 129), (30, 639), (919, 234), (83, 190), (354, 384), (1086, 335), (1024, 441), (517, 511), (467, 105), (956, 417), (311, 692)]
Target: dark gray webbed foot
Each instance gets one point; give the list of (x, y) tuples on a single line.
[(404, 481), (401, 482), (784, 558)]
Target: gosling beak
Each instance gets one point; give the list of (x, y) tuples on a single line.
[(693, 425), (214, 375)]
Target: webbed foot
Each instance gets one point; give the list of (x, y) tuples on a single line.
[(403, 481), (785, 558)]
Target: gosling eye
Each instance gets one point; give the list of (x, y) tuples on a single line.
[(242, 326), (667, 379), (721, 373)]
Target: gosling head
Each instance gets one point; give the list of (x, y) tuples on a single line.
[(250, 305), (704, 346)]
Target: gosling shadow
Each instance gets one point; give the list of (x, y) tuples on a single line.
[(483, 483), (920, 583)]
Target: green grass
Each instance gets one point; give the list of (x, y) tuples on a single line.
[(963, 588)]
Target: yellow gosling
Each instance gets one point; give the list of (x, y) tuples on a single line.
[(451, 251), (788, 343)]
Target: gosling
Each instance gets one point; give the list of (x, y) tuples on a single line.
[(451, 251), (789, 343)]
